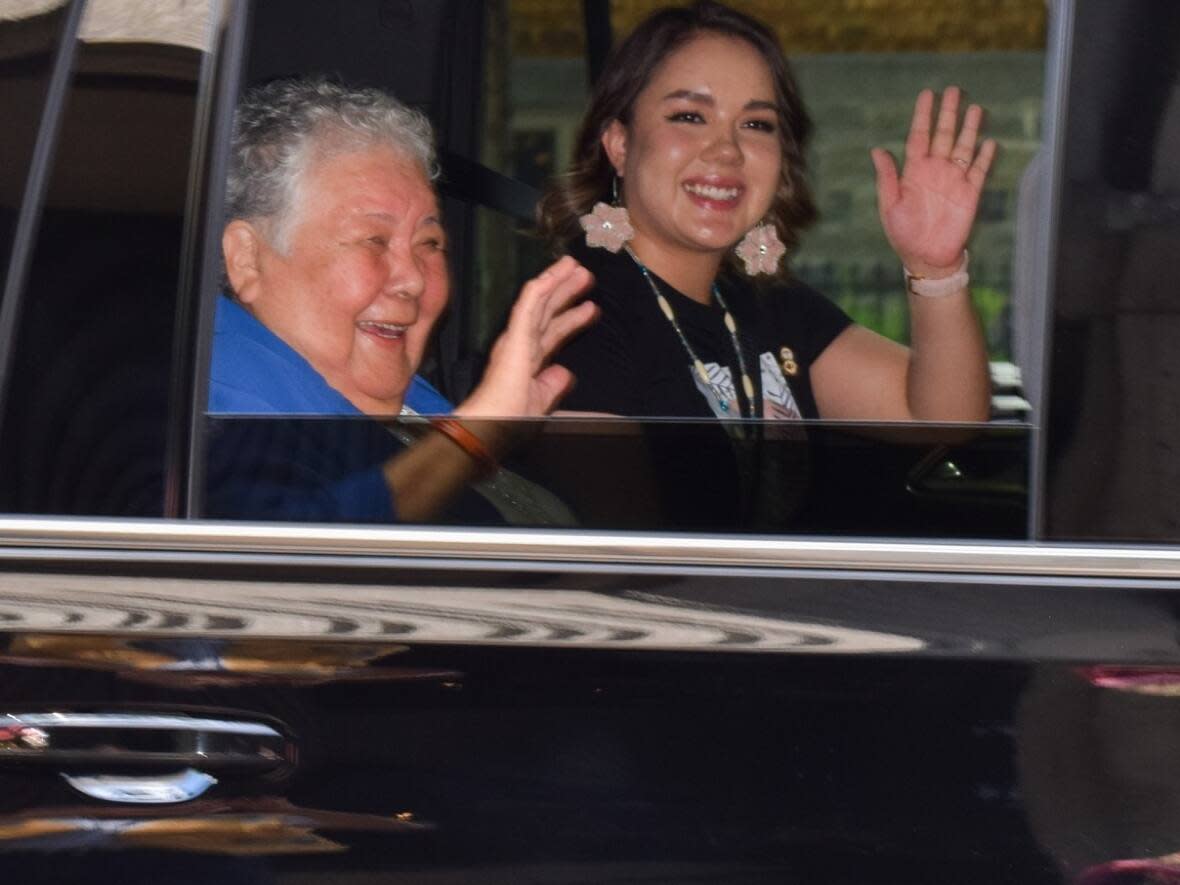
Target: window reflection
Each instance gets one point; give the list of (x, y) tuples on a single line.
[(611, 474), (87, 399)]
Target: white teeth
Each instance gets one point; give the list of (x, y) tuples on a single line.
[(712, 193), (386, 330)]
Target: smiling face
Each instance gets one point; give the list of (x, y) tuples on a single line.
[(363, 278), (701, 158)]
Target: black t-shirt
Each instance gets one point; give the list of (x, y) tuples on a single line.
[(631, 362)]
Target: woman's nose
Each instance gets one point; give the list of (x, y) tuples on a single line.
[(406, 277), (725, 149)]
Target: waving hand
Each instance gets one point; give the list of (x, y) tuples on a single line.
[(929, 210), (520, 380)]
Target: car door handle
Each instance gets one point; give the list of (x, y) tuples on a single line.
[(97, 753)]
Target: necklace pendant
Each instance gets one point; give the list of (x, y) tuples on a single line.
[(724, 405)]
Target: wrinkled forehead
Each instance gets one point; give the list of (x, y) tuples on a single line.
[(375, 177)]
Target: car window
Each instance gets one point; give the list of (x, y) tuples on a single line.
[(504, 84), (87, 397), (806, 478), (1111, 465), (860, 66)]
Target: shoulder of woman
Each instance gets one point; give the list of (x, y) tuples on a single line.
[(615, 276), (793, 296)]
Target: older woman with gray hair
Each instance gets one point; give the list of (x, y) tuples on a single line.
[(335, 256)]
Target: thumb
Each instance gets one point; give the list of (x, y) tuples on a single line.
[(888, 187), (553, 383)]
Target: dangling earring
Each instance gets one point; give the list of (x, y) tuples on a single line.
[(608, 227), (761, 249)]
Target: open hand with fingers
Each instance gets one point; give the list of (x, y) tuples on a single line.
[(520, 381), (929, 210)]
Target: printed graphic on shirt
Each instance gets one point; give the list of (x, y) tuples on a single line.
[(720, 384), (777, 399)]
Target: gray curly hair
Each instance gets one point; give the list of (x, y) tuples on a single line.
[(280, 127)]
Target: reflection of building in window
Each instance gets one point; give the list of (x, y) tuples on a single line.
[(545, 27), (533, 155), (837, 205), (860, 65), (993, 206), (1008, 84)]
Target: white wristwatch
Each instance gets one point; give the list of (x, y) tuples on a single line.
[(919, 285)]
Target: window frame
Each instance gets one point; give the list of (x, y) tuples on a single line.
[(36, 189)]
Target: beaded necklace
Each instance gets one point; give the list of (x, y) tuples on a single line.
[(698, 366)]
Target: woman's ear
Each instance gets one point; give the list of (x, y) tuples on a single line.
[(614, 142), (240, 245)]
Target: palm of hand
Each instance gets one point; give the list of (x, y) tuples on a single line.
[(520, 381), (931, 219), (928, 212)]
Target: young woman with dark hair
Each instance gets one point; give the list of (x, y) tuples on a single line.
[(689, 183)]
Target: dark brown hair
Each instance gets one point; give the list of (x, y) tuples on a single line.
[(628, 70)]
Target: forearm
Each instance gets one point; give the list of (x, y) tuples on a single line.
[(947, 377), (426, 477)]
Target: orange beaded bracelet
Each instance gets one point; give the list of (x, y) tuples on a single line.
[(471, 444)]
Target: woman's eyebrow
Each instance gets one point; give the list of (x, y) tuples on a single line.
[(690, 95), (389, 217), (754, 104)]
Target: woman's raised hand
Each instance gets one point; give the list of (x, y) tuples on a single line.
[(928, 212), (520, 381)]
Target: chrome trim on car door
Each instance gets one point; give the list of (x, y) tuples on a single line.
[(163, 789), (24, 537), (137, 721), (94, 750)]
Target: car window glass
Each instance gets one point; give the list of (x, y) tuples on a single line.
[(87, 398), (505, 117), (1113, 391), (741, 477), (860, 67)]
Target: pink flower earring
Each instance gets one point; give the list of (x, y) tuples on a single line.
[(761, 250), (607, 227)]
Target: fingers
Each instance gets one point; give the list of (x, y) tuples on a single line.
[(553, 383), (948, 119), (918, 142), (567, 292), (565, 324), (550, 292), (977, 174), (964, 150), (888, 187), (949, 141)]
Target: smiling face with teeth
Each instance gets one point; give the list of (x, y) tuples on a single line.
[(363, 277), (700, 158)]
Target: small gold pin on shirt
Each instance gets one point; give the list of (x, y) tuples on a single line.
[(787, 361)]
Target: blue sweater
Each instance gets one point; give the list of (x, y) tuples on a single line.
[(262, 465), (254, 372)]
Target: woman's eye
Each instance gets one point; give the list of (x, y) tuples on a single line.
[(761, 125), (434, 245), (379, 241), (685, 117)]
